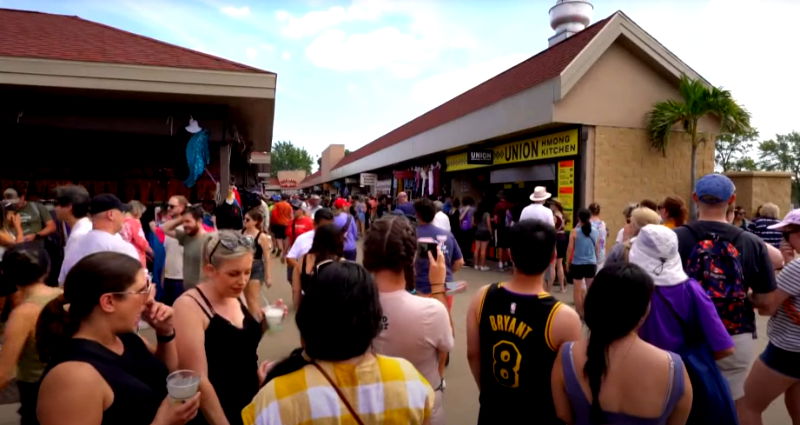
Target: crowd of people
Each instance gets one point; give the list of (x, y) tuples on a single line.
[(670, 306)]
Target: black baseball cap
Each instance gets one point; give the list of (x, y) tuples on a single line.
[(104, 202)]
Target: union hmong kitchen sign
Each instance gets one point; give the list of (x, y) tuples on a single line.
[(554, 145)]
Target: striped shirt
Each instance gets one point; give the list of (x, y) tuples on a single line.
[(760, 227), (381, 389), (784, 327)]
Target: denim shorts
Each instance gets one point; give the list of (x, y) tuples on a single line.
[(257, 272), (782, 361)]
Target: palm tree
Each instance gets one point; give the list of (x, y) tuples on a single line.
[(697, 101)]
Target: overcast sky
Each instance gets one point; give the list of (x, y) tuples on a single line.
[(350, 71)]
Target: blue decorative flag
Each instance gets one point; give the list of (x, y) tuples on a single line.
[(197, 157)]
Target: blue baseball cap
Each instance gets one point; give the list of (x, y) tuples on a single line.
[(714, 189)]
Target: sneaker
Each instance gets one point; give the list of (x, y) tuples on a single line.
[(485, 268)]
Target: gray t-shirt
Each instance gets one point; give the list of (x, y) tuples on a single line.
[(192, 257), (34, 217)]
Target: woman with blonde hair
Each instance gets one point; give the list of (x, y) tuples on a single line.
[(217, 335)]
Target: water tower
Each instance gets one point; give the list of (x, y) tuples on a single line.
[(568, 17)]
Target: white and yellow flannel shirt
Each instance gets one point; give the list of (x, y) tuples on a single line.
[(383, 390)]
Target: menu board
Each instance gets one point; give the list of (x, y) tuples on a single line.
[(566, 189)]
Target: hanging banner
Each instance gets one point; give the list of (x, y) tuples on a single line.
[(566, 189), (555, 145)]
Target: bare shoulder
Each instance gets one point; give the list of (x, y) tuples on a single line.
[(74, 376), (566, 325)]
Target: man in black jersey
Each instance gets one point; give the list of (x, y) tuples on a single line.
[(514, 332)]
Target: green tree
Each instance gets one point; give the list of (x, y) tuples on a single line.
[(732, 150), (745, 164), (286, 156), (783, 154), (697, 101)]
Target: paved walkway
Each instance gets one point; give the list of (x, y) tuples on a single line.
[(461, 397)]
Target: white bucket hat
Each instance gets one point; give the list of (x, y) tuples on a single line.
[(193, 127), (540, 194), (656, 251)]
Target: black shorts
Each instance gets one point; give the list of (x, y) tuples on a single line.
[(582, 271), (784, 362), (502, 237), (278, 231), (562, 241), (483, 235)]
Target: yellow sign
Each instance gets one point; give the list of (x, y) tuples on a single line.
[(566, 189), (555, 145)]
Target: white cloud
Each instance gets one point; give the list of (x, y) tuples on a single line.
[(437, 89), (404, 52), (251, 53), (286, 56), (235, 12)]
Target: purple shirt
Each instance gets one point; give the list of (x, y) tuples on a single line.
[(452, 253), (662, 328), (351, 233), (407, 208)]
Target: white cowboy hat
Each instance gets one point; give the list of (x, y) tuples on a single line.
[(193, 127), (656, 251), (540, 194)]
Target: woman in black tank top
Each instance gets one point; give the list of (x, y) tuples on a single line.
[(99, 371), (217, 335)]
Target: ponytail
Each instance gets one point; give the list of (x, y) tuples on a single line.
[(595, 369), (585, 216), (293, 363), (54, 329)]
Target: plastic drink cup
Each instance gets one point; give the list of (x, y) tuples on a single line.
[(274, 317), (182, 384)]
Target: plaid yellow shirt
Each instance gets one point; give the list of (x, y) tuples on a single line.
[(383, 390)]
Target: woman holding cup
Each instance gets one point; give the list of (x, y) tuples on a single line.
[(99, 370), (217, 336)]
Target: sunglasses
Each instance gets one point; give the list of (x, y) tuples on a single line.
[(144, 291), (171, 206), (231, 243)]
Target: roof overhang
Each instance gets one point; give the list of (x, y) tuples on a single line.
[(250, 96)]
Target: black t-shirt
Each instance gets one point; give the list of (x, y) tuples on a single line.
[(756, 265)]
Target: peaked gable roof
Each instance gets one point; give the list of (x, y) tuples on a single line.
[(543, 66), (61, 37)]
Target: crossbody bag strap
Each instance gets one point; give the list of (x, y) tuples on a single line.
[(339, 392)]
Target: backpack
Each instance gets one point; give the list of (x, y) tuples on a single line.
[(716, 263)]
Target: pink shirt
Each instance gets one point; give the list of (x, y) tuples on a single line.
[(132, 233), (416, 328)]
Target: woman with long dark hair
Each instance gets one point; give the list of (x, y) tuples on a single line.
[(335, 377), (614, 377), (328, 246), (582, 255), (261, 273), (99, 370), (25, 267)]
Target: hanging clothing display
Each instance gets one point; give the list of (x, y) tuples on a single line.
[(197, 156)]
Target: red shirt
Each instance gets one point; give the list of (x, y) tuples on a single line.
[(281, 214), (300, 226)]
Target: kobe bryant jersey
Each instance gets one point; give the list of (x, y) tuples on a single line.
[(516, 357)]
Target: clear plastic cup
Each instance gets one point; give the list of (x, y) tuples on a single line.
[(182, 384), (274, 315)]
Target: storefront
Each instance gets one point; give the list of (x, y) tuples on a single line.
[(516, 167)]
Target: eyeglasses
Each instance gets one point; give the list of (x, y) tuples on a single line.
[(144, 291), (230, 243)]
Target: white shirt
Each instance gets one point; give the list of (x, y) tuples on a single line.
[(301, 245), (173, 264), (93, 242), (441, 221), (538, 212), (80, 229)]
